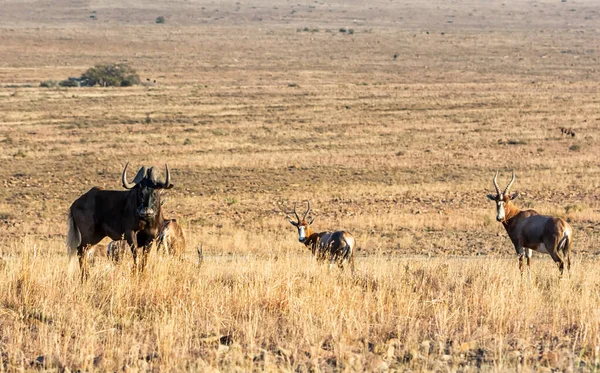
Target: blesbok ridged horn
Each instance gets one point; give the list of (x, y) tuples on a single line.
[(496, 183), (307, 210), (512, 181), (296, 213)]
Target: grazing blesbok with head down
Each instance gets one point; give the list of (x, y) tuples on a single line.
[(134, 213), (337, 247), (171, 239), (529, 230)]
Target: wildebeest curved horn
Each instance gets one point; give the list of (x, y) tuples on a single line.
[(496, 183), (126, 184), (139, 177), (511, 183), (167, 177)]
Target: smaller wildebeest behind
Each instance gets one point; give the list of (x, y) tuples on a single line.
[(134, 214)]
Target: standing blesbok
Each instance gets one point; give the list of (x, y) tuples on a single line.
[(171, 239), (335, 246), (134, 213), (529, 230)]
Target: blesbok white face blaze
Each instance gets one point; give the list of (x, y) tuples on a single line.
[(500, 210), (301, 233)]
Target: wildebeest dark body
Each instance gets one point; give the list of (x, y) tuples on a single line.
[(134, 214)]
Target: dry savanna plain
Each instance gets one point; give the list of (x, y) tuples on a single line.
[(390, 116)]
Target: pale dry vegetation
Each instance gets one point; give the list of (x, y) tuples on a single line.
[(393, 132), (287, 312)]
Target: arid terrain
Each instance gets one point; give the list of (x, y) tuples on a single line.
[(391, 117)]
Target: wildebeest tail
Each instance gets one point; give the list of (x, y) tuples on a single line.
[(73, 236)]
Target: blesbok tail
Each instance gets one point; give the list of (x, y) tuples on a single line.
[(565, 245), (349, 252), (73, 237)]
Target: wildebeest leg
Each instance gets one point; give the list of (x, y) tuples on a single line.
[(145, 251), (529, 252), (131, 238)]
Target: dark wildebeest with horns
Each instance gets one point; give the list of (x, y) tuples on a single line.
[(134, 214)]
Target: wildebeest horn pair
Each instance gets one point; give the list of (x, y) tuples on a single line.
[(142, 173)]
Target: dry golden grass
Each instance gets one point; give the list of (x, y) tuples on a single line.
[(268, 101), (282, 311)]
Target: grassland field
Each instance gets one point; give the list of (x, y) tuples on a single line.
[(390, 116)]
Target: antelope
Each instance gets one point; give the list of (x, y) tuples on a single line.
[(171, 238), (336, 246), (531, 231)]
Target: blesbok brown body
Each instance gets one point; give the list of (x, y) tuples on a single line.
[(337, 247), (135, 214), (171, 238), (529, 230)]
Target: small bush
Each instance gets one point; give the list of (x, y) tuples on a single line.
[(187, 142), (110, 75), (342, 30), (160, 19), (575, 148), (351, 31)]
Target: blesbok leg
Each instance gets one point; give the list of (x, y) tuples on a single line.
[(529, 253), (83, 264), (552, 244)]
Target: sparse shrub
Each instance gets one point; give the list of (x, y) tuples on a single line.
[(49, 84), (160, 20), (575, 148), (8, 140), (19, 154), (110, 75), (148, 120), (69, 83), (573, 208), (342, 30), (187, 142), (351, 31)]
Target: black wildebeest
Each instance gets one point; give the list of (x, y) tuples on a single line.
[(134, 214)]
